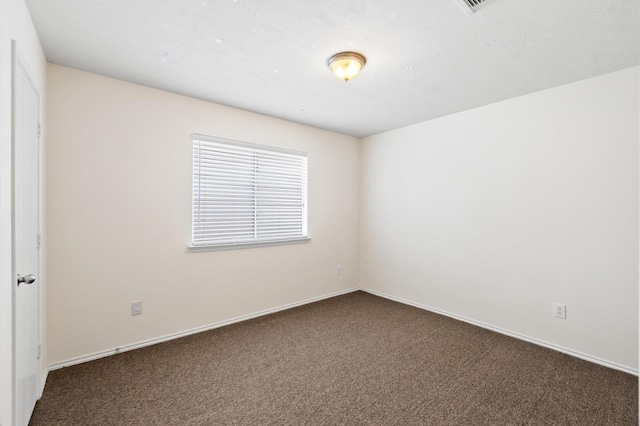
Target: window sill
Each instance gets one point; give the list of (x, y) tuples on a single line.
[(234, 246)]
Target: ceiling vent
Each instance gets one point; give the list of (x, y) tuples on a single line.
[(470, 6)]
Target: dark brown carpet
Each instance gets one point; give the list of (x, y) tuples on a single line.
[(351, 360)]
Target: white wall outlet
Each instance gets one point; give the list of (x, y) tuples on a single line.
[(338, 270), (136, 308), (560, 310)]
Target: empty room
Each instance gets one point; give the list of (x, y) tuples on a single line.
[(355, 212)]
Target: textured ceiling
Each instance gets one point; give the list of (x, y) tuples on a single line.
[(425, 58)]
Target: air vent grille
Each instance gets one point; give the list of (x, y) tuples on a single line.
[(471, 6), (474, 3)]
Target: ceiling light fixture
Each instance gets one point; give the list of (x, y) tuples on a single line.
[(346, 65)]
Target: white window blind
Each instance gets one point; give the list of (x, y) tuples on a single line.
[(245, 193)]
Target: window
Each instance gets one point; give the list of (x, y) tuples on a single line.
[(246, 194)]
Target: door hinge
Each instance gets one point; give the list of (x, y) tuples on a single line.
[(39, 243), (39, 131), (39, 351)]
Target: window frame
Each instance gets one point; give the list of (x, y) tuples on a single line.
[(212, 246)]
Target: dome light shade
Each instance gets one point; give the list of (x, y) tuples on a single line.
[(346, 65)]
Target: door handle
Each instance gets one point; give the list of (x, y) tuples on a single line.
[(27, 279)]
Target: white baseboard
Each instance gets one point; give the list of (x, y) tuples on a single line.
[(149, 342), (571, 352)]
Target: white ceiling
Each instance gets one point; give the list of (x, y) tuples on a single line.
[(425, 58)]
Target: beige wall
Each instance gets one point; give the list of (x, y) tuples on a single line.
[(491, 215), (494, 214), (15, 24), (119, 184)]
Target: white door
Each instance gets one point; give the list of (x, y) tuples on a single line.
[(26, 240)]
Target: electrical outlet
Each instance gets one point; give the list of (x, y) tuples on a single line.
[(338, 270), (136, 308), (560, 310)]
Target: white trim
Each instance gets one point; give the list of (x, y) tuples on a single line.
[(252, 244), (215, 139), (149, 342), (43, 382), (547, 345)]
